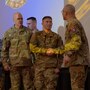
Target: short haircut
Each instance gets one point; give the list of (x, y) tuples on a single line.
[(47, 17), (32, 18), (70, 8)]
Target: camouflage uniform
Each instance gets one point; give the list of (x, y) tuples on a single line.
[(32, 54), (45, 77), (77, 43), (76, 47), (15, 48), (33, 59)]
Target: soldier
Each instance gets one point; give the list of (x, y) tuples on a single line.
[(76, 48), (76, 51), (45, 64), (32, 25), (15, 48)]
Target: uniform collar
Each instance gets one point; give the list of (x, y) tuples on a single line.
[(69, 20), (19, 30), (50, 33)]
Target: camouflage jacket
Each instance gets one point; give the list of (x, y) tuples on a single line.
[(15, 47), (76, 43), (39, 44)]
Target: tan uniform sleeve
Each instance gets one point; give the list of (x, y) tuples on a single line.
[(74, 42), (5, 49)]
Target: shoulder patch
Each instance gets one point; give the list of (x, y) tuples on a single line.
[(73, 30)]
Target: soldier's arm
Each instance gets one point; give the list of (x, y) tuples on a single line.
[(73, 44), (34, 45), (59, 50), (5, 49), (75, 41)]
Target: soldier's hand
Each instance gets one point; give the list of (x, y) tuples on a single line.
[(66, 59), (50, 52), (6, 67)]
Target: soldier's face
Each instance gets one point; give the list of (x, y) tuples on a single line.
[(64, 14), (47, 23), (18, 20), (31, 24)]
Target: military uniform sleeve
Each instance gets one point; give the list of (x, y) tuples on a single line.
[(5, 49), (74, 42), (34, 45)]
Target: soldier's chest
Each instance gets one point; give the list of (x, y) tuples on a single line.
[(47, 41), (19, 38)]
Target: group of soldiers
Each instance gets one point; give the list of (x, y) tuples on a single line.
[(42, 52)]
